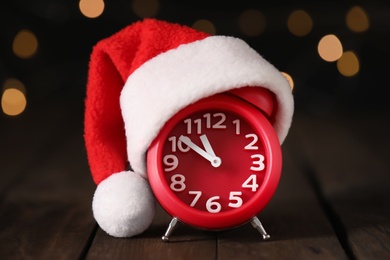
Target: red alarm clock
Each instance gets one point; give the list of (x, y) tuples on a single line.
[(216, 163)]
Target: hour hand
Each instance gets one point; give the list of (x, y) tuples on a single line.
[(207, 145), (214, 160)]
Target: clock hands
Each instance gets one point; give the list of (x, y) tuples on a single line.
[(207, 145), (208, 154)]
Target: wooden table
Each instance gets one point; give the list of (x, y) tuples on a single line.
[(332, 201)]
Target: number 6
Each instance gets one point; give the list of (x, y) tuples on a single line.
[(213, 206)]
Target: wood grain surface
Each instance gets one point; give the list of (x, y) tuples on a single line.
[(332, 201)]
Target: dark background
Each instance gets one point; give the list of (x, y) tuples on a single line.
[(65, 37), (333, 198)]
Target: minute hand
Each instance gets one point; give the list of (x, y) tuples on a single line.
[(215, 161), (207, 145)]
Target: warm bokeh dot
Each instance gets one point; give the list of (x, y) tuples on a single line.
[(13, 98), (25, 44), (204, 26), (299, 23), (145, 8), (13, 102), (289, 79), (357, 19), (91, 8), (14, 83), (252, 22), (330, 48), (348, 64)]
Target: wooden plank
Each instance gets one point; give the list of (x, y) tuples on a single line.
[(354, 179), (29, 137), (47, 212), (185, 243), (44, 230), (294, 218), (372, 130)]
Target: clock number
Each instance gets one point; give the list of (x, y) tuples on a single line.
[(198, 122), (171, 161), (178, 144), (251, 145), (212, 205), (219, 124), (178, 182), (197, 196), (172, 139), (188, 122), (260, 162), (181, 148), (251, 183), (208, 120), (238, 128), (235, 196)]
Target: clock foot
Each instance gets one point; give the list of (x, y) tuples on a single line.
[(170, 229), (257, 225)]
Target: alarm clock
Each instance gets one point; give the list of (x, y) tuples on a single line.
[(216, 163)]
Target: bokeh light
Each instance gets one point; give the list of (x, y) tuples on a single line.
[(330, 48), (252, 22), (14, 83), (289, 79), (146, 8), (348, 65), (357, 19), (299, 23), (25, 44), (91, 8), (204, 26), (13, 99)]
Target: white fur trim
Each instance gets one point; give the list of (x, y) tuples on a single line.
[(174, 79), (123, 204)]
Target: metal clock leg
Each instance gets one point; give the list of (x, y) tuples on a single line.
[(257, 225), (170, 229)]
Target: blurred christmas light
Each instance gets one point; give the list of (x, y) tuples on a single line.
[(25, 44), (357, 19), (14, 83), (299, 23), (204, 26), (146, 8), (252, 22), (13, 102), (91, 8), (330, 48), (348, 64), (289, 79)]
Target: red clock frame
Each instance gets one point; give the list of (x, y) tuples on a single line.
[(226, 219)]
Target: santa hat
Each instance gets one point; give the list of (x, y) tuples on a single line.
[(139, 78)]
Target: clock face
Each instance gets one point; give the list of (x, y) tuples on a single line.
[(215, 164)]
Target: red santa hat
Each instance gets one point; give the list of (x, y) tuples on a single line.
[(139, 78)]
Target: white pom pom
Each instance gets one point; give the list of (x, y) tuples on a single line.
[(123, 204)]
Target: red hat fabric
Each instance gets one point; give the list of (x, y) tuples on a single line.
[(138, 79), (112, 61)]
